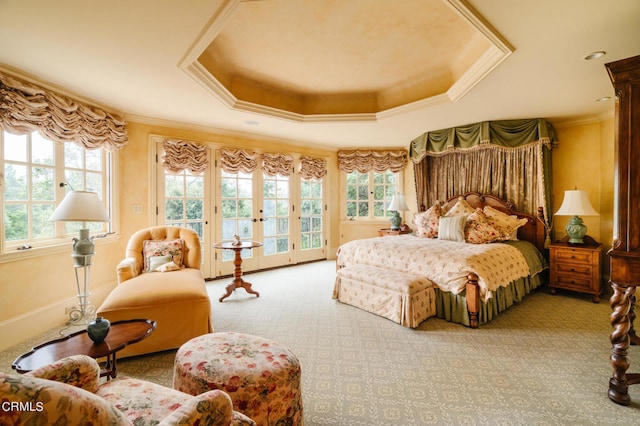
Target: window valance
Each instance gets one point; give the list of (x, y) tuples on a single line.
[(487, 134), (182, 155), (25, 107), (366, 161), (277, 164), (312, 168), (238, 160)]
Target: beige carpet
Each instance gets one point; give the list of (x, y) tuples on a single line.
[(543, 362)]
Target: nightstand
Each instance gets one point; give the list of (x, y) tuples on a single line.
[(385, 232), (575, 267)]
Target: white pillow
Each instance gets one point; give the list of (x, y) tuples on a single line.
[(168, 267), (452, 228), (157, 261)]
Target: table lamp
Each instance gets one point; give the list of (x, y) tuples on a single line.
[(576, 203), (81, 206), (397, 204)]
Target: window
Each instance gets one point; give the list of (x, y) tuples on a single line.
[(35, 171), (369, 194)]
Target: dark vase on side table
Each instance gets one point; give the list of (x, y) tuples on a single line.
[(98, 329)]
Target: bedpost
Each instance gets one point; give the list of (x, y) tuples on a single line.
[(473, 300)]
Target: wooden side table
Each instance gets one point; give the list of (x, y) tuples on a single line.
[(121, 334), (385, 232), (576, 267), (238, 282)]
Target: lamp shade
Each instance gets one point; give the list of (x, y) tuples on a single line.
[(398, 204), (80, 206), (576, 203)]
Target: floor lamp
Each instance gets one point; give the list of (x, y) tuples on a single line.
[(81, 206)]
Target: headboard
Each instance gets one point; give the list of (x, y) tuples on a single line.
[(533, 231)]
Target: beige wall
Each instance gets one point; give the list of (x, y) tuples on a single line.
[(35, 291), (584, 159)]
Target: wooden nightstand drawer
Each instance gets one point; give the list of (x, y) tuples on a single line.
[(573, 255), (574, 269), (574, 282)]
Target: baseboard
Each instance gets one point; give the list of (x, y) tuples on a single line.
[(30, 324)]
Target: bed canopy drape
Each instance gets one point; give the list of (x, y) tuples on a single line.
[(510, 159)]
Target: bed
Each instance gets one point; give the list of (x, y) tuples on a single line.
[(470, 283)]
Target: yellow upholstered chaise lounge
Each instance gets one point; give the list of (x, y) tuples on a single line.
[(176, 299)]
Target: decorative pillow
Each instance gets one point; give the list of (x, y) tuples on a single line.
[(426, 223), (152, 248), (479, 230), (452, 228), (514, 234), (461, 207), (168, 267), (157, 261), (503, 221)]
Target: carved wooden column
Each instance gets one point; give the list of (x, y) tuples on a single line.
[(625, 252)]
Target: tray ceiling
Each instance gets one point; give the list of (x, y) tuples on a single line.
[(348, 60)]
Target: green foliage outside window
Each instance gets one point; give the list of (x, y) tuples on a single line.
[(368, 194), (31, 182)]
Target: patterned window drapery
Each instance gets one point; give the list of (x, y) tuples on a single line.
[(277, 164), (312, 168), (238, 160), (366, 161), (182, 155), (25, 108), (509, 159)]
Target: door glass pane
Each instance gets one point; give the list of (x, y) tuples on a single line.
[(311, 214), (237, 210), (275, 214), (184, 201)]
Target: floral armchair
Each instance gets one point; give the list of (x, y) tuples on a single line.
[(69, 392)]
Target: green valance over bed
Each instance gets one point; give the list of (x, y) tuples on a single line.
[(503, 133), (510, 159)]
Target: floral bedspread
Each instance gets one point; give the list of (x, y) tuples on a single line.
[(446, 263)]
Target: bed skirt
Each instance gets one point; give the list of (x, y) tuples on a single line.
[(453, 307)]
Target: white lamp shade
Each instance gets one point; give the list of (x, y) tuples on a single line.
[(576, 203), (80, 206), (398, 204)]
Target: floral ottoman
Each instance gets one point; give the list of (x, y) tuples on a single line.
[(261, 376)]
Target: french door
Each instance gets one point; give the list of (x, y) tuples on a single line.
[(285, 213), (255, 207), (183, 199), (312, 225)]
